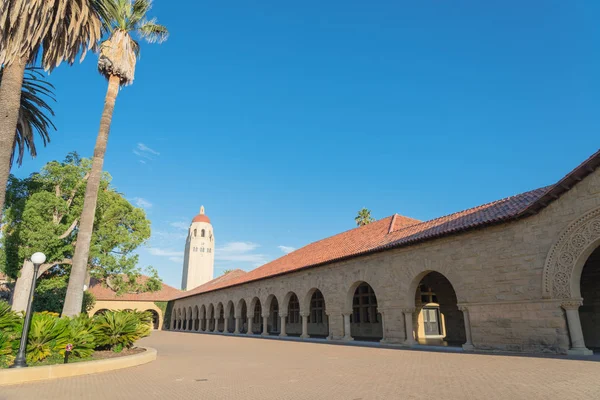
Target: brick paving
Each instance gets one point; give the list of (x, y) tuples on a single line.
[(200, 366)]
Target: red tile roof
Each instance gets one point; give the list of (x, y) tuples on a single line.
[(217, 282), (102, 292), (397, 231)]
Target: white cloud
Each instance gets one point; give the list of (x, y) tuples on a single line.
[(176, 259), (286, 249), (157, 251), (144, 148), (240, 252), (141, 202), (180, 225), (169, 235)]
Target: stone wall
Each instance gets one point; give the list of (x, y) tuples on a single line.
[(496, 274)]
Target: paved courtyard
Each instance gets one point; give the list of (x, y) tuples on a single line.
[(197, 366)]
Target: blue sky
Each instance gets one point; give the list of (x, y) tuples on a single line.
[(284, 120)]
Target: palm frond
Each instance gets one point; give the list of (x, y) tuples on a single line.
[(153, 32), (34, 114), (57, 29)]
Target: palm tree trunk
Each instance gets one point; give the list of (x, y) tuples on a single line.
[(74, 297), (10, 103)]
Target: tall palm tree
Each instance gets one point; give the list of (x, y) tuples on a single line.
[(118, 55), (364, 217), (33, 114), (59, 30)]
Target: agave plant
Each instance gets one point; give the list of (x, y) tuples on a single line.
[(10, 321), (48, 334), (81, 334), (115, 329)]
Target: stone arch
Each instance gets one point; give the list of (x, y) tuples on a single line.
[(211, 318), (565, 261), (433, 307), (196, 318), (271, 310), (290, 308), (179, 319), (190, 319), (242, 314), (203, 318), (156, 320), (255, 316), (184, 323), (230, 315), (314, 307), (220, 318), (366, 321)]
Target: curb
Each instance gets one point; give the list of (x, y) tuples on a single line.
[(34, 374)]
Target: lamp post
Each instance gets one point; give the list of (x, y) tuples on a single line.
[(21, 361)]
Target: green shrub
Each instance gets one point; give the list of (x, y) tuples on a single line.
[(10, 333), (10, 321), (81, 334), (124, 328), (48, 334)]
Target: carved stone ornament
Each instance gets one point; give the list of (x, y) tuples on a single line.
[(562, 257), (572, 304)]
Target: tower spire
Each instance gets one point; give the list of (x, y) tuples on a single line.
[(201, 209)]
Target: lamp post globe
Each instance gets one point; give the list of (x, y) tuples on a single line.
[(21, 360)]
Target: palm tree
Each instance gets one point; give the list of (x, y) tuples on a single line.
[(59, 30), (118, 55), (364, 217), (32, 113)]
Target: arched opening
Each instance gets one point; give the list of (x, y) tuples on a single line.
[(256, 320), (318, 326), (365, 320), (196, 319), (203, 318), (202, 233), (230, 317), (100, 312), (190, 319), (589, 312), (211, 318), (437, 319), (221, 318), (179, 320), (273, 321), (293, 325), (244, 316), (184, 327), (174, 322), (155, 318)]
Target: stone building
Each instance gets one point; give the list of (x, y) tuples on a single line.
[(518, 274), (107, 299)]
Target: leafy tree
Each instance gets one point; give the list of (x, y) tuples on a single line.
[(58, 30), (43, 215), (51, 290), (227, 271), (118, 56), (364, 217)]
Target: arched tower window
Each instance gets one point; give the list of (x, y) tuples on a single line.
[(202, 233), (195, 232)]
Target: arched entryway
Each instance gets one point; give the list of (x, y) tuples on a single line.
[(317, 325), (255, 325), (221, 318), (437, 319), (179, 319), (365, 320), (184, 327), (230, 317), (196, 317), (211, 318), (273, 322), (293, 322), (190, 319), (155, 319), (589, 312), (243, 316), (203, 324)]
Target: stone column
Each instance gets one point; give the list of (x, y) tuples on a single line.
[(282, 322), (250, 326), (578, 348), (408, 326), (347, 330), (238, 320), (304, 326), (265, 331), (226, 325), (469, 343), (216, 325)]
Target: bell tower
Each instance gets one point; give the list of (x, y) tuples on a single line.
[(199, 257)]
